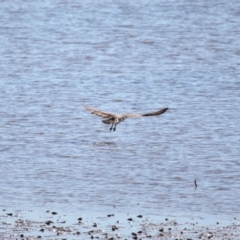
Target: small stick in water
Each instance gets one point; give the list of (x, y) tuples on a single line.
[(195, 182)]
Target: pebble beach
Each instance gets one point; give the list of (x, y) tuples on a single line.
[(51, 225)]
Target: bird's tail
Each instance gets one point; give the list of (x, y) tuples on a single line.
[(106, 121)]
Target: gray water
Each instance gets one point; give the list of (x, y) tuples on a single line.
[(120, 56)]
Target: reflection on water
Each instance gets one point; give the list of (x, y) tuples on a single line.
[(133, 57), (104, 144)]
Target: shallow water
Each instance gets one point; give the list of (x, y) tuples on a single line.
[(120, 57)]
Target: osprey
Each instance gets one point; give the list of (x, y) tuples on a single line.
[(114, 119)]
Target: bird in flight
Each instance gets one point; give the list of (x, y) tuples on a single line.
[(114, 119)]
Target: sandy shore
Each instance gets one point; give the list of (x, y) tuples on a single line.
[(32, 225)]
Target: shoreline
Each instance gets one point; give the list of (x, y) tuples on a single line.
[(32, 225)]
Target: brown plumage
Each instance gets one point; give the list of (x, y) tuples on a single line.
[(114, 119)]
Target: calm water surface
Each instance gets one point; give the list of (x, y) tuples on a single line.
[(122, 57)]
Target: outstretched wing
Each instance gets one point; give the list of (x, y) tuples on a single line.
[(135, 115), (98, 112), (155, 113), (132, 115)]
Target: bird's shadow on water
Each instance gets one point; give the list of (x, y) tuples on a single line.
[(87, 143), (100, 144)]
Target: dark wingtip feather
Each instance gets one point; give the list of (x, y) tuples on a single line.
[(164, 110), (156, 113)]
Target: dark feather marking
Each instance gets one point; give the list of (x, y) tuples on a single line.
[(155, 113)]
